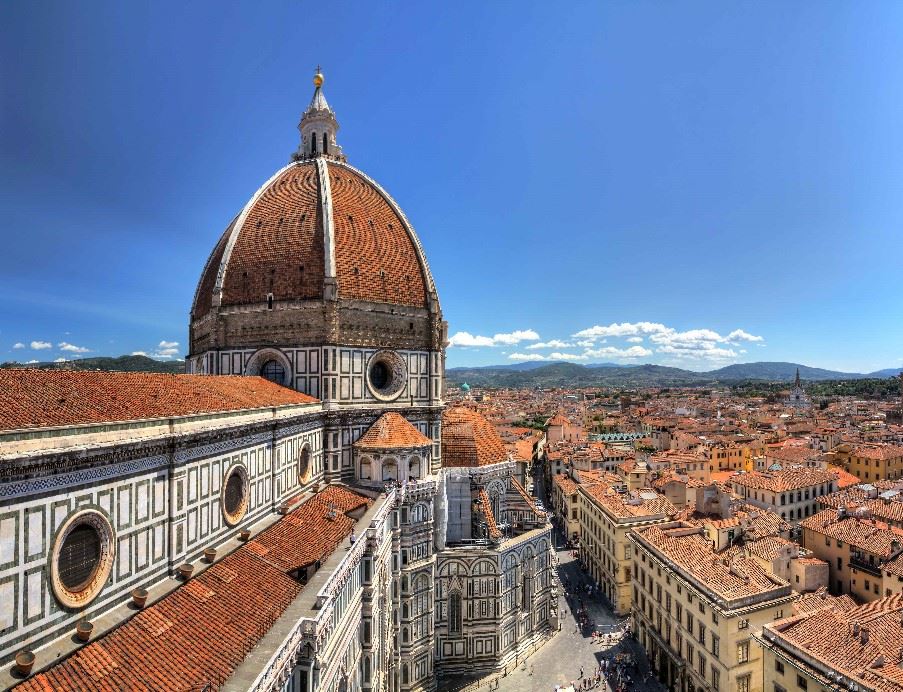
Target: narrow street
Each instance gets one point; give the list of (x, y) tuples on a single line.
[(559, 663)]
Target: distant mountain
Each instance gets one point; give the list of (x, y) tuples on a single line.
[(121, 364), (887, 372), (779, 372), (613, 375)]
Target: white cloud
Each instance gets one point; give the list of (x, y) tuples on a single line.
[(167, 349), (588, 343), (33, 360), (526, 356), (698, 344), (740, 335), (18, 344), (72, 348), (614, 352), (702, 351), (61, 360), (468, 339), (509, 339), (40, 345), (139, 353), (622, 329), (554, 343), (567, 356), (701, 344)]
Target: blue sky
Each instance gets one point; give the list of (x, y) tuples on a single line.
[(684, 183)]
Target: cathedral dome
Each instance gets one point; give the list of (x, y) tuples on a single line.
[(314, 223), (317, 232), (468, 439)]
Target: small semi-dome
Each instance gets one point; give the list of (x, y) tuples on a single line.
[(468, 439)]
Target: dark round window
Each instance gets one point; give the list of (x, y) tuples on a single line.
[(235, 494), (79, 557), (273, 371), (379, 375)]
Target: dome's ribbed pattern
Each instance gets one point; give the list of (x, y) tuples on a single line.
[(277, 245)]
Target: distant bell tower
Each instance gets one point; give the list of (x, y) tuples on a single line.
[(318, 127)]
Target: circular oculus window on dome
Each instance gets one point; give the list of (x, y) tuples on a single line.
[(82, 558), (386, 375), (235, 495)]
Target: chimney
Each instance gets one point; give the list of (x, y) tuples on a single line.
[(865, 636)]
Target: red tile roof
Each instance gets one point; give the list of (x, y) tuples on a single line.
[(869, 535), (31, 398), (468, 439), (486, 509), (201, 632), (824, 638), (392, 431), (280, 247)]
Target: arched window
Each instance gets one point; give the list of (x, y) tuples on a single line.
[(325, 144), (304, 464), (390, 471), (273, 371), (313, 142), (365, 469), (414, 468), (455, 614)]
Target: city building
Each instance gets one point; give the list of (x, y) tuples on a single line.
[(791, 493), (879, 462), (835, 647), (695, 610), (608, 513), (859, 551), (797, 398)]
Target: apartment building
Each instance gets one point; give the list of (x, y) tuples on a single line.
[(876, 462), (862, 553), (835, 648), (884, 499), (608, 513), (791, 493), (564, 504), (694, 610)]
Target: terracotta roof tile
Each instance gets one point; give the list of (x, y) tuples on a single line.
[(280, 246), (392, 431), (468, 439), (31, 398), (201, 632), (823, 638), (374, 256)]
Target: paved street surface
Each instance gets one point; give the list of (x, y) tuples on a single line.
[(559, 661)]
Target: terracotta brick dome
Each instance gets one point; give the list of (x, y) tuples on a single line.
[(319, 255), (468, 439), (280, 248)]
